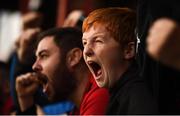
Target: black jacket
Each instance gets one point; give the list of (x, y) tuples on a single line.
[(131, 96)]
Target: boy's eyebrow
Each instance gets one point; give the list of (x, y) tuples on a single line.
[(95, 35)]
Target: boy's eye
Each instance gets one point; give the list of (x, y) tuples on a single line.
[(98, 41)]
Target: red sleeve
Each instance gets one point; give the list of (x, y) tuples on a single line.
[(95, 101)]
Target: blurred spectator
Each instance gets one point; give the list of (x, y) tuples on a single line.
[(162, 79), (23, 58)]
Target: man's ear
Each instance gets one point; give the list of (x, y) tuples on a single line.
[(129, 51), (73, 57)]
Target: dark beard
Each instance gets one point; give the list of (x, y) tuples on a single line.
[(64, 83)]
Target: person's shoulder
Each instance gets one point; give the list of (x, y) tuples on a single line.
[(94, 87), (136, 88), (95, 100), (94, 91), (97, 91)]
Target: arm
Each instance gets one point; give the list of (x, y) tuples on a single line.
[(26, 86), (163, 42)]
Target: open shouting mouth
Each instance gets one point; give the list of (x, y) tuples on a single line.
[(95, 69), (43, 80)]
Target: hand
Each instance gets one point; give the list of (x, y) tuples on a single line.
[(72, 19), (32, 20), (26, 45), (26, 86), (163, 42)]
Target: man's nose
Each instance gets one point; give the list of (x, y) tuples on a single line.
[(36, 66), (88, 50)]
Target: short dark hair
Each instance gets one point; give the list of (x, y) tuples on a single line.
[(65, 38)]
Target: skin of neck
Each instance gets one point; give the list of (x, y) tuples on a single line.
[(82, 74)]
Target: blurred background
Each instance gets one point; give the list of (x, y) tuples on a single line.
[(54, 13)]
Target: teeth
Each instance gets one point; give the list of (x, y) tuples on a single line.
[(45, 88), (99, 72)]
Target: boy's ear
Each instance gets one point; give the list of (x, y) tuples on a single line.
[(129, 51), (73, 57)]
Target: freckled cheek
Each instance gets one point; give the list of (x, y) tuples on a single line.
[(105, 52), (109, 58)]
